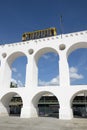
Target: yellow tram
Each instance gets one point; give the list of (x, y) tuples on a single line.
[(39, 34)]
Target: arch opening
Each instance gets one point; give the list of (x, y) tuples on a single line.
[(79, 104), (18, 75), (76, 46), (16, 69), (42, 52), (78, 66), (13, 103), (47, 104), (48, 69)]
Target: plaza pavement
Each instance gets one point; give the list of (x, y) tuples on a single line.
[(41, 123)]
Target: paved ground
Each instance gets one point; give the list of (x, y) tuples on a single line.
[(41, 123)]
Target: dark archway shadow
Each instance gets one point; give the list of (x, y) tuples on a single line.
[(13, 103), (79, 105), (48, 106)]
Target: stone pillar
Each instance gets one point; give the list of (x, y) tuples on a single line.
[(64, 70), (65, 111), (29, 111), (4, 110), (5, 75), (31, 73)]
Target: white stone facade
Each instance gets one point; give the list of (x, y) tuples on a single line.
[(31, 93)]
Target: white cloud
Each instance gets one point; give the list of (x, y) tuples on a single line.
[(74, 75), (54, 81), (13, 80), (73, 70), (42, 83), (14, 69), (20, 84)]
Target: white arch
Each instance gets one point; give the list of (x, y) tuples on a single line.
[(76, 93), (7, 97), (76, 46), (15, 55), (33, 49), (7, 65), (37, 97), (42, 51), (5, 100)]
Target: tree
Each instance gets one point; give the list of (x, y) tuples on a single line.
[(13, 85)]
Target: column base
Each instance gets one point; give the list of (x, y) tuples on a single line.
[(4, 111), (65, 114), (28, 112)]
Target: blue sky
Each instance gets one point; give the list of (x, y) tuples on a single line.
[(17, 17)]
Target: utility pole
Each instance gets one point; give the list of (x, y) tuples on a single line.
[(61, 25)]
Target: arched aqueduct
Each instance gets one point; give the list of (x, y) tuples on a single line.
[(31, 93)]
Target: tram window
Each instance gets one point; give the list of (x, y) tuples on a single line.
[(27, 37), (49, 33), (46, 33), (38, 34), (31, 36), (42, 34), (52, 32), (35, 35)]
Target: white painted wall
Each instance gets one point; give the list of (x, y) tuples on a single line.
[(31, 93)]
